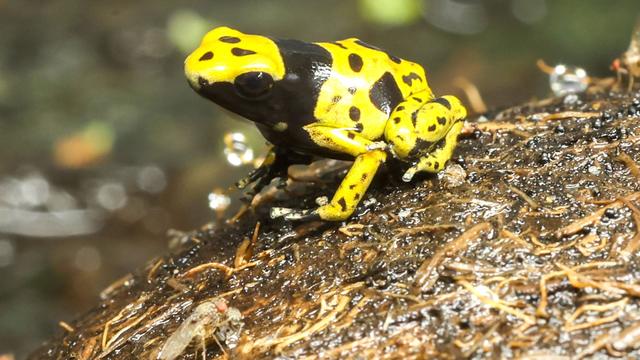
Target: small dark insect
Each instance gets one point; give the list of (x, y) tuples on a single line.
[(629, 62)]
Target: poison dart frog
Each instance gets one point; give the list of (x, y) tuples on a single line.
[(344, 99)]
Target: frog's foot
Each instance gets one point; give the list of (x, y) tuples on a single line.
[(294, 214), (329, 212), (254, 175), (274, 166), (436, 160), (410, 173), (297, 214), (424, 130), (377, 145)]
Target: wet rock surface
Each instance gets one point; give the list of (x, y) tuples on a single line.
[(527, 246)]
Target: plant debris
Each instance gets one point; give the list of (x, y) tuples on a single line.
[(531, 251)]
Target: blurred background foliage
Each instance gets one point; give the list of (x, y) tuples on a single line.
[(103, 146)]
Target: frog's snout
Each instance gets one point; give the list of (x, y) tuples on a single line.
[(197, 83), (192, 76), (195, 66)]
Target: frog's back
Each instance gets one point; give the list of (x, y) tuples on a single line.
[(366, 83)]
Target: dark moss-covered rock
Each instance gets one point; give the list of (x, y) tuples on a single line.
[(527, 245)]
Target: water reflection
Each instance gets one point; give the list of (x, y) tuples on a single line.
[(7, 252), (151, 179), (236, 150), (33, 205)]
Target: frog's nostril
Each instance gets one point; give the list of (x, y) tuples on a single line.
[(202, 81), (206, 56)]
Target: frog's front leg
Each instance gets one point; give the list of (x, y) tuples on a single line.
[(425, 131), (275, 164), (368, 158)]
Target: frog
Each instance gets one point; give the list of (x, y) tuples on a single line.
[(344, 100)]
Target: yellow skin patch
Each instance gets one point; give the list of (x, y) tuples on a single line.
[(340, 99), (223, 65), (360, 67)]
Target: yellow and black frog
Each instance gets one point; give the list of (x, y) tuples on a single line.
[(344, 100)]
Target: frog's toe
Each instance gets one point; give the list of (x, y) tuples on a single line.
[(242, 183), (247, 197), (281, 183), (294, 214), (377, 145), (408, 175), (245, 181)]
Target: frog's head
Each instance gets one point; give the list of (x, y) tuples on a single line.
[(236, 70)]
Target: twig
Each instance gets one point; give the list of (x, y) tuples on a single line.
[(542, 65), (475, 99), (570, 324), (590, 219), (601, 342), (351, 315), (534, 204), (332, 353), (630, 163), (424, 228), (424, 278), (494, 301), (586, 244), (510, 235), (634, 243), (227, 270), (542, 305), (581, 281), (549, 248), (569, 114), (123, 281), (285, 341), (628, 338), (132, 308), (66, 326), (87, 349), (153, 269), (112, 343)]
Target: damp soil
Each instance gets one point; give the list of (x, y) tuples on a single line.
[(525, 247)]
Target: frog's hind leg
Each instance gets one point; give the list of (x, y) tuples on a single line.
[(437, 159), (438, 124), (424, 130)]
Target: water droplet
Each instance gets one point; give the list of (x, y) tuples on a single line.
[(88, 259), (111, 196), (151, 179), (61, 200), (529, 11), (157, 220), (34, 190), (236, 149), (568, 80), (218, 201), (404, 213)]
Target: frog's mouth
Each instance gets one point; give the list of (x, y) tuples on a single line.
[(263, 111), (222, 93), (197, 82)]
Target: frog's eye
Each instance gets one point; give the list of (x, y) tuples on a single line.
[(253, 85)]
